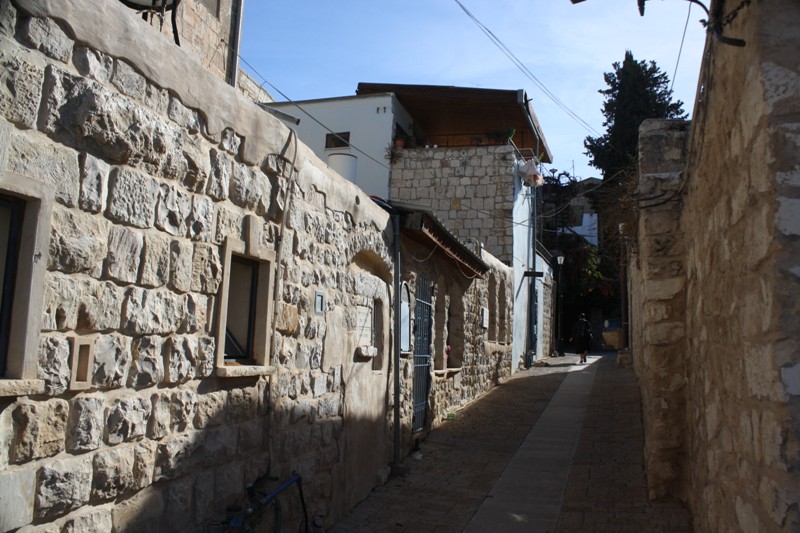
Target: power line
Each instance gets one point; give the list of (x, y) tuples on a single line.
[(526, 71), (309, 115), (680, 50)]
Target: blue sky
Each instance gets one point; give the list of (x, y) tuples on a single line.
[(320, 48)]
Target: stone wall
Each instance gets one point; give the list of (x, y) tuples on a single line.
[(206, 29), (658, 274), (252, 89), (729, 395), (149, 193), (547, 327), (125, 413), (470, 189), (473, 364)]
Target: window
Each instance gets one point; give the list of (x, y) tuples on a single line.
[(405, 319), (370, 334), (337, 140), (11, 213), (26, 208), (82, 362), (244, 310), (503, 314), (212, 6), (377, 335), (455, 332), (242, 292), (492, 308)]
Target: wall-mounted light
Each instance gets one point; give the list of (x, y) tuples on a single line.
[(149, 7), (715, 19)]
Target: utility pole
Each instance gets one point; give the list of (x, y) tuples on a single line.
[(560, 304), (623, 288)]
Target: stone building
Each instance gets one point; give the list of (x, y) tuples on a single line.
[(193, 301), (459, 153), (714, 288)]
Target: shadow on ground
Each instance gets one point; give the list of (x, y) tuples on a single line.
[(459, 462)]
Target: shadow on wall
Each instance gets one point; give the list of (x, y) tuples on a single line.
[(183, 459)]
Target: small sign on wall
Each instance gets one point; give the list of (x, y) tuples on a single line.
[(485, 317)]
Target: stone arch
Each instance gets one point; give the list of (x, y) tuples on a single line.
[(372, 261)]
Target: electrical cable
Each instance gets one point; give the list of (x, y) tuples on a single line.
[(312, 117), (680, 50), (508, 54), (418, 260), (527, 72)]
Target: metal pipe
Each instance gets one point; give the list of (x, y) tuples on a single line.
[(235, 44), (396, 361)]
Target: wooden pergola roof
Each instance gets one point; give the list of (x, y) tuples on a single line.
[(449, 115)]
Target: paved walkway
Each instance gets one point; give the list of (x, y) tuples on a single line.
[(556, 449)]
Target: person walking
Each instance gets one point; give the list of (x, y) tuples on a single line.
[(581, 335)]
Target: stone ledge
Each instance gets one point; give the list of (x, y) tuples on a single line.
[(444, 372), (367, 352), (21, 387), (240, 371)]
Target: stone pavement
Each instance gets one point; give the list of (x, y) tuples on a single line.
[(556, 448)]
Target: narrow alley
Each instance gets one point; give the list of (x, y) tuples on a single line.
[(556, 448)]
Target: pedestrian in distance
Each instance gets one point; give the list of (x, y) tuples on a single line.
[(581, 335)]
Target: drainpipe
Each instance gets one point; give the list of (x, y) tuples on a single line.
[(235, 42), (279, 253), (532, 285), (532, 301), (396, 362)]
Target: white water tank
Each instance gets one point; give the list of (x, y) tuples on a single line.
[(344, 164)]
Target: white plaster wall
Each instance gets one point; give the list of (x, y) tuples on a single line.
[(588, 228), (369, 119), (522, 261)]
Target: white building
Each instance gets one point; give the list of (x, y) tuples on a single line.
[(353, 134), (456, 152)]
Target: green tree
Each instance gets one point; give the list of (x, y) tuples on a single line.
[(637, 90)]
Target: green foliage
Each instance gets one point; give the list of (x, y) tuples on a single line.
[(637, 90)]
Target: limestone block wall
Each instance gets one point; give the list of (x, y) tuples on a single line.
[(157, 171), (142, 183), (469, 189), (742, 283), (738, 463), (659, 301), (474, 364), (207, 30), (252, 89)]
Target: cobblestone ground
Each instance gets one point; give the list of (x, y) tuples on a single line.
[(607, 490), (461, 460)]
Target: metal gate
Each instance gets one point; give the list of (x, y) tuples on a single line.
[(422, 353)]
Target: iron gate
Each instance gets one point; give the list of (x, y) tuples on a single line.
[(422, 353)]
